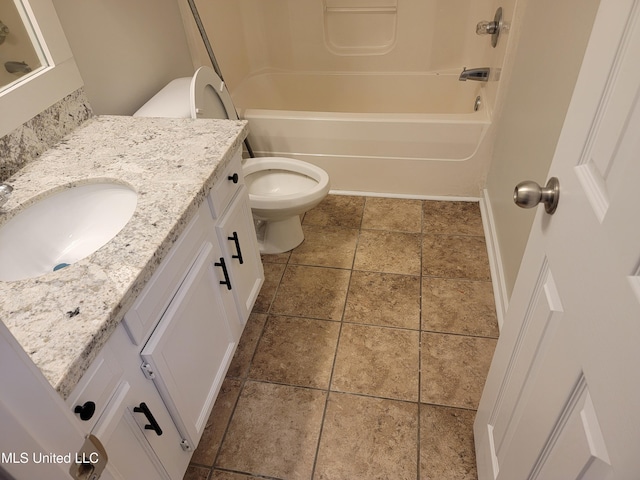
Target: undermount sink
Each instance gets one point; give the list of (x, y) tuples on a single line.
[(63, 227)]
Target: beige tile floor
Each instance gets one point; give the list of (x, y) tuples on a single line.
[(366, 352)]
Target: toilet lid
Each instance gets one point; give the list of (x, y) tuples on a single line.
[(210, 97)]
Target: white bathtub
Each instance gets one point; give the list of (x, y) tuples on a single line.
[(386, 133)]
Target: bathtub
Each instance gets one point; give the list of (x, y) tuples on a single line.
[(414, 134)]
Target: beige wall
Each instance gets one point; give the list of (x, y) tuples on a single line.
[(125, 50), (224, 23), (539, 79)]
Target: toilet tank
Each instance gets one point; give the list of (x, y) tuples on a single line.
[(172, 101), (202, 96)]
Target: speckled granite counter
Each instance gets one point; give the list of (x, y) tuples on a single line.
[(172, 164)]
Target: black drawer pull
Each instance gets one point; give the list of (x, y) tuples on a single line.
[(226, 280), (85, 410), (153, 425), (237, 242), (234, 178)]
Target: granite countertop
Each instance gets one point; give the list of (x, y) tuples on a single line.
[(172, 164)]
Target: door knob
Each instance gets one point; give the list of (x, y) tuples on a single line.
[(86, 410), (528, 194)]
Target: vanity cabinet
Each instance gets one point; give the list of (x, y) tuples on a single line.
[(156, 380)]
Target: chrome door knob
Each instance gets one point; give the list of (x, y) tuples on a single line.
[(528, 194)]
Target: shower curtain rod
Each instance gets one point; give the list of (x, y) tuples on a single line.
[(212, 57)]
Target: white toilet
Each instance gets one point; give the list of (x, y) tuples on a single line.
[(280, 189)]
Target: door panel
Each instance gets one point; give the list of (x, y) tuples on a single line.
[(576, 448), (543, 314)]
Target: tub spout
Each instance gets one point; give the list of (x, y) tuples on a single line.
[(477, 74)]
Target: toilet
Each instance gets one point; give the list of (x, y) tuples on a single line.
[(280, 189)]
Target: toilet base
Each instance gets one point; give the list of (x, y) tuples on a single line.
[(279, 236)]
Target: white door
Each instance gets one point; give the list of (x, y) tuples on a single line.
[(562, 396)]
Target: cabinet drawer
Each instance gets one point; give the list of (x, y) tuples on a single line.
[(97, 385), (143, 316), (227, 186)]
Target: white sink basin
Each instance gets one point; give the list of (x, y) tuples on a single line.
[(62, 228)]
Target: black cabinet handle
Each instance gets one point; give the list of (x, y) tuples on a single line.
[(237, 242), (226, 280), (234, 178), (153, 425), (86, 410)]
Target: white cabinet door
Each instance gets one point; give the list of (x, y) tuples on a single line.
[(237, 236), (130, 455), (192, 346), (561, 398)]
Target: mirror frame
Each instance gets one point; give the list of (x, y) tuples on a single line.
[(24, 100)]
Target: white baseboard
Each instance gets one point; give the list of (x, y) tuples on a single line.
[(405, 195), (495, 261)]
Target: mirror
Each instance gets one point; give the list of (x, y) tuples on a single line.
[(41, 47), (20, 51)]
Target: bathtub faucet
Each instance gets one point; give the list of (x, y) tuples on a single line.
[(477, 74)]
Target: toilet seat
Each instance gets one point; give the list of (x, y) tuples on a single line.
[(209, 97), (288, 166)]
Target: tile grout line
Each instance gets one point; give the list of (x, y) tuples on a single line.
[(344, 392), (268, 314), (243, 379), (335, 355), (457, 334)]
